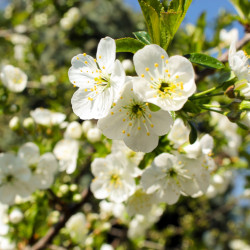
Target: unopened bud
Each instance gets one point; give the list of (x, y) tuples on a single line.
[(28, 123), (230, 92), (14, 123), (245, 105), (16, 216)]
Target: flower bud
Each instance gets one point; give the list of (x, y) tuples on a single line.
[(245, 105), (28, 123), (14, 123), (94, 135), (16, 216), (86, 125), (230, 92), (64, 188)]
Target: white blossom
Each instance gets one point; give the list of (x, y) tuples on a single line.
[(73, 130), (43, 167), (16, 216), (47, 117), (13, 78), (14, 178), (229, 36), (140, 203), (4, 227), (94, 135), (179, 133), (86, 125), (113, 178), (66, 151), (71, 17), (239, 64), (99, 80), (164, 81), (134, 157), (76, 226), (6, 244), (169, 176), (14, 123), (108, 209), (127, 65), (131, 120)]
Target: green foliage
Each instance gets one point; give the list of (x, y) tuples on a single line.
[(242, 7), (128, 44), (204, 60), (163, 21), (143, 36)]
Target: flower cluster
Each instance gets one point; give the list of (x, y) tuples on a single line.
[(122, 104)]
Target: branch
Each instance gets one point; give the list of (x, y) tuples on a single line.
[(66, 214)]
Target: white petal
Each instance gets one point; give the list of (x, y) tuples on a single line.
[(99, 189), (29, 152), (147, 57), (171, 193), (48, 162), (91, 109), (106, 51)]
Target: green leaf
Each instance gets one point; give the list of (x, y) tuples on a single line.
[(128, 44), (191, 107), (193, 134), (226, 77), (205, 60), (153, 107), (143, 37)]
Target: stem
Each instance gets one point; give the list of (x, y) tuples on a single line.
[(203, 93), (213, 110), (200, 97)]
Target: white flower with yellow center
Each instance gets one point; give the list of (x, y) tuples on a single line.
[(165, 81), (113, 178), (13, 78), (99, 80), (169, 176), (239, 63), (131, 120)]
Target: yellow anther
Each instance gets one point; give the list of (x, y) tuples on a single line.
[(123, 131), (151, 86), (128, 134), (130, 124), (103, 67), (114, 104), (94, 60), (177, 77), (123, 119), (120, 110), (144, 121), (77, 58), (156, 65), (74, 86), (148, 134), (85, 90), (121, 97), (147, 69), (146, 103), (90, 99), (166, 70), (74, 81), (168, 75), (181, 85), (91, 89), (139, 128), (112, 113), (84, 54), (162, 56), (131, 89), (166, 61), (151, 125), (149, 116), (142, 75), (85, 62)]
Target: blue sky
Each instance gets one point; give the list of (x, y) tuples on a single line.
[(212, 7)]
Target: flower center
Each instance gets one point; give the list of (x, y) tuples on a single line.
[(115, 180)]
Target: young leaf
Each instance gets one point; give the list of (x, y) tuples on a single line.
[(143, 37), (205, 60), (153, 107), (193, 134), (128, 44)]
